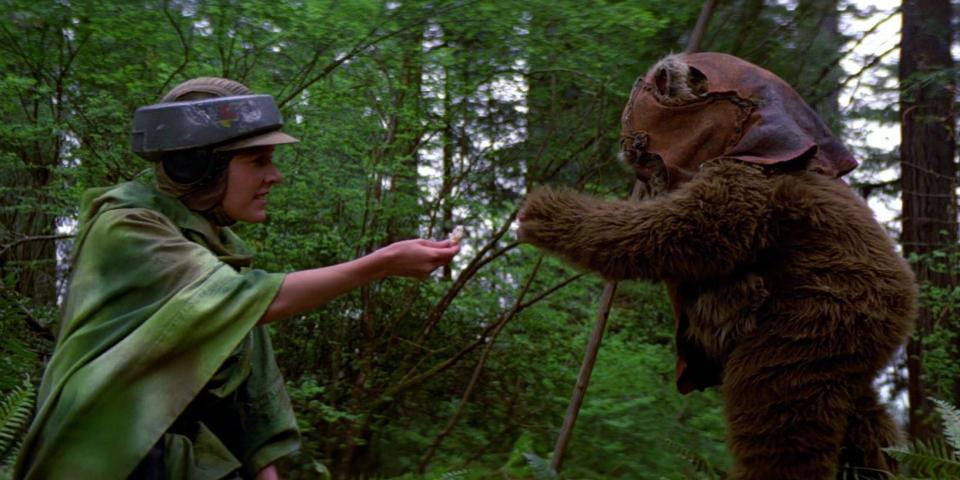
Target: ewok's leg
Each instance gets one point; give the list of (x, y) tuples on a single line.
[(793, 439), (869, 430), (786, 419)]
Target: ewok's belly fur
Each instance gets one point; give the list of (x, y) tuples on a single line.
[(721, 311)]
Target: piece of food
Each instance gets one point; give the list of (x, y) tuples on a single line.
[(456, 234)]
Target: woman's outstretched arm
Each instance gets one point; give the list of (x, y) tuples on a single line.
[(306, 290)]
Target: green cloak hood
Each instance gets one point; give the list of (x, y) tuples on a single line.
[(160, 315)]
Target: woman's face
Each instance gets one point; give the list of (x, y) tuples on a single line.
[(251, 176)]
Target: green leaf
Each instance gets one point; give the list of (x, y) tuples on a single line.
[(323, 473)]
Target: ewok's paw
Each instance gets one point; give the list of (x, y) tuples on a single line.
[(549, 217), (585, 231)]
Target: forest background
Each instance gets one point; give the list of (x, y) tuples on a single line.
[(417, 116)]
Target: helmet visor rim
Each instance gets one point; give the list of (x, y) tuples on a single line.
[(275, 137)]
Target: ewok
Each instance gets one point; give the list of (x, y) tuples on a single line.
[(785, 289)]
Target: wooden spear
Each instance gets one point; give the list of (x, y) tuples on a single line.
[(580, 389), (606, 298)]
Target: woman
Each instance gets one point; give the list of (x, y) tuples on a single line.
[(162, 367)]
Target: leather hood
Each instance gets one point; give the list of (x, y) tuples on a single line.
[(747, 113)]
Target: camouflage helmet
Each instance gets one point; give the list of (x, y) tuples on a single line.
[(198, 120)]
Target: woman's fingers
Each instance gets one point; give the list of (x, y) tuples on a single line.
[(443, 255), (417, 258), (426, 242), (442, 248), (446, 243)]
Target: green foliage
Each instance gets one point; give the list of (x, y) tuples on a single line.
[(16, 408), (413, 117), (933, 459), (458, 474), (950, 416), (939, 338), (321, 471), (632, 406), (19, 343), (936, 459), (700, 464), (540, 467)]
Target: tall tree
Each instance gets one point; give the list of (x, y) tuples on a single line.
[(927, 89), (38, 56)]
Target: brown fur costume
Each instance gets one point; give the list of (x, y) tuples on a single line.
[(787, 284)]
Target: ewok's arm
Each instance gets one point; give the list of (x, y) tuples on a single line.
[(706, 228)]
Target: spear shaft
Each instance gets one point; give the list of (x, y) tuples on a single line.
[(606, 298)]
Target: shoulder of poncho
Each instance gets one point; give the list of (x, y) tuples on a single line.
[(136, 195), (140, 213), (134, 218)]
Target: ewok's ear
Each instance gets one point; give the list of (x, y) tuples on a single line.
[(662, 79), (697, 81), (676, 82)]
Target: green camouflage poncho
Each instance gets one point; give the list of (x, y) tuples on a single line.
[(161, 314)]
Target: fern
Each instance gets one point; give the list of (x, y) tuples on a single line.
[(540, 467), (455, 474), (16, 409), (699, 463), (951, 423), (934, 459), (323, 473)]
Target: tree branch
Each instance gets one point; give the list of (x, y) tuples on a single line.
[(32, 238), (481, 363), (869, 65), (368, 41), (411, 380), (183, 43), (702, 21), (829, 67)]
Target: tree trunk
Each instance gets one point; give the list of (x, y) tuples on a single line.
[(404, 151), (928, 170), (30, 159), (748, 19), (828, 105), (446, 206)]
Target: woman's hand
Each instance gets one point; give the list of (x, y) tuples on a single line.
[(417, 258), (268, 473)]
